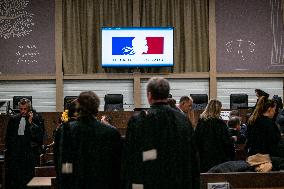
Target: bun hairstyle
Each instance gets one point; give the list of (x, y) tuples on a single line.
[(89, 104), (261, 107), (72, 108), (172, 102), (261, 93)]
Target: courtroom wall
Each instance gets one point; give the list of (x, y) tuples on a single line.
[(102, 87), (227, 86), (179, 88), (44, 92)]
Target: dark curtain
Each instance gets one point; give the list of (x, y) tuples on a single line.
[(82, 20)]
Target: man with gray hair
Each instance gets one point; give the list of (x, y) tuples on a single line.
[(185, 104), (20, 159), (159, 148)]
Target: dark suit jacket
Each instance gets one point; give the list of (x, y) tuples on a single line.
[(169, 133)]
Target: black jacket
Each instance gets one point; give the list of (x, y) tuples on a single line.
[(168, 134), (63, 152), (96, 155), (213, 142), (280, 120), (241, 139), (263, 137)]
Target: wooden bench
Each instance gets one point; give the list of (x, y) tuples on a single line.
[(245, 180), (43, 178), (40, 182), (46, 158), (47, 171)]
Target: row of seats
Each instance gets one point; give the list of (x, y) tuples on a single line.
[(236, 101), (115, 101)]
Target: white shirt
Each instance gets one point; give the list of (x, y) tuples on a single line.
[(22, 126)]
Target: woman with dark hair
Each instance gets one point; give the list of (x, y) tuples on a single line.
[(96, 148), (212, 138), (263, 133), (62, 148), (259, 93)]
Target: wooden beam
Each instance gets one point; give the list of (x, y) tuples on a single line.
[(58, 56), (212, 50), (193, 75), (98, 76), (125, 76), (25, 77), (250, 75), (137, 91), (136, 76)]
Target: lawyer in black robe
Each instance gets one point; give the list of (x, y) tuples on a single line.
[(95, 149), (212, 137), (213, 142), (263, 137), (159, 149), (19, 157), (97, 155), (263, 133)]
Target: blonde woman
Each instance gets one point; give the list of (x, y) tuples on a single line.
[(212, 137)]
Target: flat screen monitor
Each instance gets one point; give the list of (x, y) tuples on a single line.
[(137, 47)]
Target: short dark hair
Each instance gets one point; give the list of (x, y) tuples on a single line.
[(159, 88), (72, 108), (278, 100), (172, 102), (184, 99), (89, 103), (234, 113), (25, 101), (233, 122)]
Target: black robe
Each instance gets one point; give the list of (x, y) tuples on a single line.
[(263, 137), (214, 143), (241, 139), (38, 139), (63, 152), (168, 134), (19, 158), (96, 155)]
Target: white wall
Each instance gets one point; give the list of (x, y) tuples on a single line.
[(101, 88), (43, 93), (225, 87), (179, 88)]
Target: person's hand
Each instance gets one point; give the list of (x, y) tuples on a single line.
[(105, 120), (30, 119), (235, 138)]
